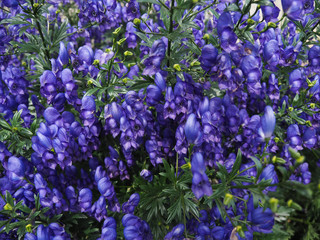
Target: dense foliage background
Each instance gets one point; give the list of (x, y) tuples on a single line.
[(154, 119)]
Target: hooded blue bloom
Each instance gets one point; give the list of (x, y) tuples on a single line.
[(176, 233), (261, 220), (271, 52), (133, 10), (63, 55), (268, 123), (297, 80), (86, 54), (192, 129), (135, 228), (155, 58), (200, 182), (16, 169), (85, 198), (270, 14), (269, 173), (147, 175), (208, 57), (293, 9)]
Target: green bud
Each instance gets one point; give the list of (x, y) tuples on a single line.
[(177, 67), (250, 21), (272, 25), (240, 231), (116, 32), (136, 21), (276, 139), (35, 5), (125, 80), (122, 40), (308, 123), (227, 199), (107, 50), (195, 63), (300, 159), (131, 64), (294, 205), (7, 207), (89, 82), (195, 1), (128, 53), (273, 204), (295, 154), (96, 62), (319, 186), (186, 166), (312, 105), (29, 228), (276, 159), (58, 11), (23, 63), (206, 36), (290, 109)]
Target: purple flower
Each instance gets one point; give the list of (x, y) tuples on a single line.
[(269, 173), (208, 57), (293, 9), (16, 169), (271, 53), (147, 175), (270, 14), (86, 54), (261, 219), (88, 108), (268, 123), (85, 198), (192, 129), (296, 80), (63, 57), (133, 10)]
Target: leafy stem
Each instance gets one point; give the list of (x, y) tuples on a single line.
[(170, 31)]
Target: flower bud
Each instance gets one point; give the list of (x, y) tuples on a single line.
[(195, 63), (295, 154), (131, 65), (272, 25), (312, 105), (116, 32), (290, 109), (227, 199), (276, 139), (206, 36), (136, 21), (8, 207), (273, 204), (240, 232), (125, 80), (128, 53), (122, 40), (294, 205), (29, 228), (96, 62), (308, 123), (177, 67), (35, 5), (276, 159), (250, 21)]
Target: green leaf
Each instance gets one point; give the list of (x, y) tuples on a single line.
[(248, 36), (264, 3), (232, 8), (237, 164), (258, 165)]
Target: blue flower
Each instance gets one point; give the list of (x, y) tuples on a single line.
[(192, 129), (268, 123), (293, 9)]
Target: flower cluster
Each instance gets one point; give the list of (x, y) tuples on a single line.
[(156, 119)]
